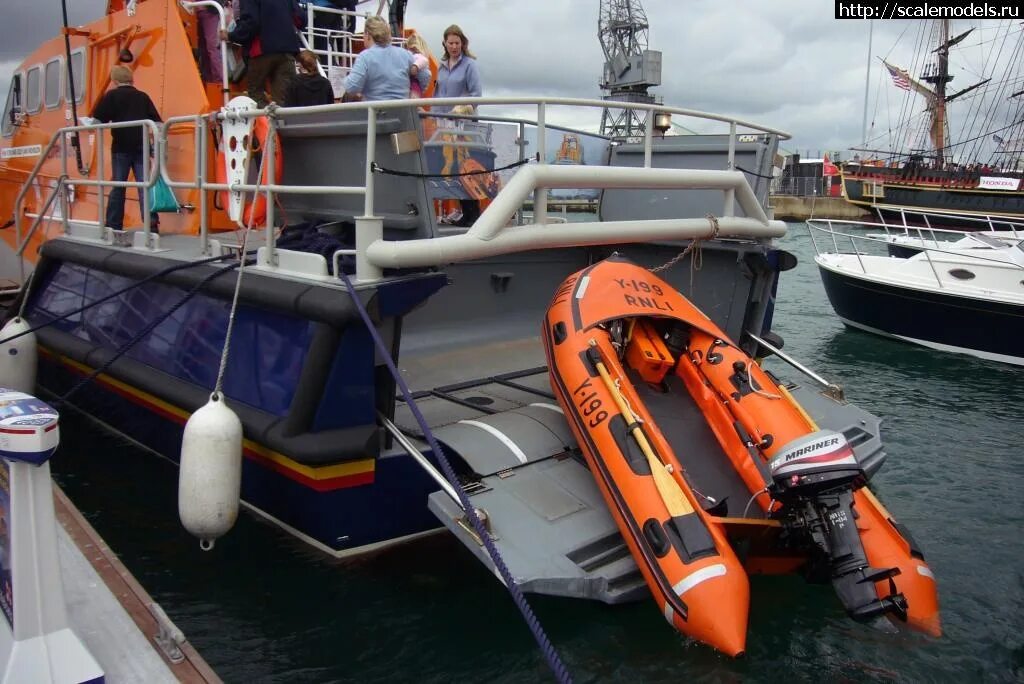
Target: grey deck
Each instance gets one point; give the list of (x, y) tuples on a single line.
[(547, 516)]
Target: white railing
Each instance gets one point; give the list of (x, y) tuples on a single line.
[(939, 255), (492, 233), (340, 51), (911, 220), (63, 138), (222, 26)]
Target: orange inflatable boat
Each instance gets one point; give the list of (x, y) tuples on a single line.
[(698, 453)]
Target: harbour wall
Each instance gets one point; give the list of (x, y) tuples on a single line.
[(792, 208)]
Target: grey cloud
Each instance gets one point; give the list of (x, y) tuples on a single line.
[(788, 64)]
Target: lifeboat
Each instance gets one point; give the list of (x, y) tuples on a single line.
[(699, 452)]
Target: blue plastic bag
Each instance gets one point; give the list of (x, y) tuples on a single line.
[(161, 198)]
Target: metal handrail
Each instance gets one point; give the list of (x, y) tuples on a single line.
[(490, 235), (222, 26), (829, 229), (54, 192), (61, 135)]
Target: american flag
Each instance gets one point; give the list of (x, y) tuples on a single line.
[(900, 78)]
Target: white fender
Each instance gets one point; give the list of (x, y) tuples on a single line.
[(236, 143), (210, 476), (18, 357)]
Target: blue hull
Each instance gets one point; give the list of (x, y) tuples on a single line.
[(385, 502)]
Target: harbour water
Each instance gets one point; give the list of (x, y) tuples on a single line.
[(263, 607)]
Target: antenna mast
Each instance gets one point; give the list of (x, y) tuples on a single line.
[(629, 67)]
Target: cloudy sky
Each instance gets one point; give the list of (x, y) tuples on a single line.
[(786, 63)]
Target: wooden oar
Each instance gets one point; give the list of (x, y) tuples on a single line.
[(673, 497)]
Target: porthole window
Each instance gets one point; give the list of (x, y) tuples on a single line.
[(78, 72), (12, 106), (33, 101), (51, 83), (961, 274)]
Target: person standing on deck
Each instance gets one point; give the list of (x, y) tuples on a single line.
[(457, 76), (416, 44), (125, 103), (267, 30), (327, 22), (211, 66), (382, 70), (309, 87), (349, 20)]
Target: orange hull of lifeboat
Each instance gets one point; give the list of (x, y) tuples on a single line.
[(604, 338)]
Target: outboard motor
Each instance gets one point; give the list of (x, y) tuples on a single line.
[(814, 478)]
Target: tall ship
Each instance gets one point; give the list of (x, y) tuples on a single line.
[(579, 403), (963, 154)]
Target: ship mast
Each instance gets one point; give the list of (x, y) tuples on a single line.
[(938, 78)]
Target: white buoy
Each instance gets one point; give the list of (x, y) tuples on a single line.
[(210, 476), (18, 358)]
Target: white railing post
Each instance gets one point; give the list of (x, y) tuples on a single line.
[(101, 197), (730, 195), (369, 228), (202, 167), (540, 194), (59, 190), (271, 153), (648, 137), (144, 200)]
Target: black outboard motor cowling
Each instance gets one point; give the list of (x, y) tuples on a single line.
[(814, 478)]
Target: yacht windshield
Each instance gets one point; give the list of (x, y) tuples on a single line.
[(988, 240)]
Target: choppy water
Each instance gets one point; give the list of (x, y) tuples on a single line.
[(263, 607)]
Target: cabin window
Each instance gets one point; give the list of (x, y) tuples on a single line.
[(51, 83), (12, 106), (268, 351), (961, 274), (33, 101), (78, 73)]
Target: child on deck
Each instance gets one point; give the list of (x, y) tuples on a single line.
[(420, 60)]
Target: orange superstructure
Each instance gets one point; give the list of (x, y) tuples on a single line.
[(694, 446), (161, 37)]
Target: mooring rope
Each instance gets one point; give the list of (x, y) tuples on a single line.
[(225, 352), (694, 247), (550, 654)]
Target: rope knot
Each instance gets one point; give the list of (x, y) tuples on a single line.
[(714, 226)]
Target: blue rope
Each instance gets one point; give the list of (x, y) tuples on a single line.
[(145, 331), (554, 662)]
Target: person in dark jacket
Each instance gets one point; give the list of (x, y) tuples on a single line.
[(266, 28), (309, 87), (125, 103)]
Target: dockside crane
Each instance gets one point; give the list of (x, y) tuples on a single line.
[(629, 67)]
